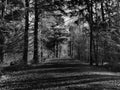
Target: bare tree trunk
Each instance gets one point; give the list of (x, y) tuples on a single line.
[(35, 57), (2, 39), (56, 49), (41, 55), (102, 11), (103, 19), (1, 47), (70, 48), (96, 52), (90, 7), (25, 52), (95, 41), (78, 51)]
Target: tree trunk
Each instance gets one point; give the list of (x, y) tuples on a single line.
[(103, 19), (96, 37), (2, 39), (70, 48), (72, 55), (25, 52), (3, 8), (102, 11), (41, 55), (95, 51), (1, 47), (35, 56), (90, 6), (79, 55), (56, 49)]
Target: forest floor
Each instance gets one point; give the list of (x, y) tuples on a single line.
[(61, 76)]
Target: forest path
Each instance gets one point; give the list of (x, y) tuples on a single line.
[(61, 77)]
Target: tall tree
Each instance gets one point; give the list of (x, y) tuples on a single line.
[(1, 47), (103, 20), (1, 34), (35, 57), (25, 53), (90, 10), (102, 10)]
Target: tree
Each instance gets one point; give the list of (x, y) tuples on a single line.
[(102, 18), (2, 39), (90, 10), (10, 15), (1, 47), (56, 37), (25, 52), (35, 57)]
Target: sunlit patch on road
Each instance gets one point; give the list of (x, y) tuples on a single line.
[(4, 78)]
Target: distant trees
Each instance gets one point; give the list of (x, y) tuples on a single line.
[(99, 15), (56, 37), (101, 36)]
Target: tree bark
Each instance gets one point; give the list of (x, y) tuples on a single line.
[(2, 39), (90, 6), (25, 52), (103, 19), (41, 55), (102, 11), (1, 47), (56, 49), (35, 56), (70, 48)]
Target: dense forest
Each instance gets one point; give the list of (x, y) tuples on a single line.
[(59, 44), (32, 31)]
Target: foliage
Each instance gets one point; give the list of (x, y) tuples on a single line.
[(93, 23)]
